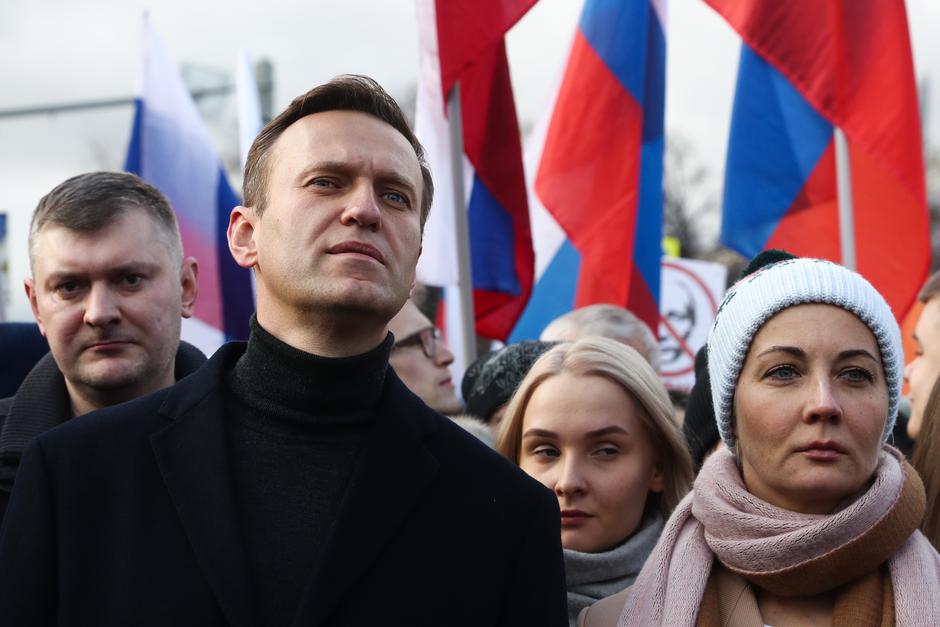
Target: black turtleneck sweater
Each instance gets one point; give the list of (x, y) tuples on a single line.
[(297, 423)]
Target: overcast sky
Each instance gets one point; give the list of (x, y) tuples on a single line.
[(72, 50)]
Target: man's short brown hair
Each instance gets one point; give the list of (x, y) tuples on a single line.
[(349, 92), (931, 288), (89, 202)]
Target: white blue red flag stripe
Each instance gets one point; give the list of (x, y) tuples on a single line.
[(468, 46), (803, 72), (171, 148), (599, 175)]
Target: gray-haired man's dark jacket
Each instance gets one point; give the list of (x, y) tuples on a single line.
[(42, 403)]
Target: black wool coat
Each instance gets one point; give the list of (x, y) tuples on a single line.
[(126, 516), (41, 403)]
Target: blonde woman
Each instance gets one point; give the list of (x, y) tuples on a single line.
[(593, 423)]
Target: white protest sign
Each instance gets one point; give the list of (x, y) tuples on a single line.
[(690, 292)]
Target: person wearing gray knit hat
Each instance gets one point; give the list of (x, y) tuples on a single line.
[(756, 298), (807, 516)]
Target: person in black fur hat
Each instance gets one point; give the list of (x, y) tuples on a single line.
[(490, 381)]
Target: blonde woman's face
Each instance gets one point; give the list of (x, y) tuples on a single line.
[(810, 407), (583, 438)]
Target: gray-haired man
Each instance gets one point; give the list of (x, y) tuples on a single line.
[(109, 287)]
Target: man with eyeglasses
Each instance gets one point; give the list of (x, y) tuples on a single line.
[(422, 359)]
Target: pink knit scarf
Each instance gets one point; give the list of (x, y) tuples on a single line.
[(720, 518)]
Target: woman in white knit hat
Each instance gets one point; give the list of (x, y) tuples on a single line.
[(807, 517)]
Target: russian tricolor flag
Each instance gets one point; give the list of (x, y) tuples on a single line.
[(463, 41), (171, 149), (597, 188), (806, 67)]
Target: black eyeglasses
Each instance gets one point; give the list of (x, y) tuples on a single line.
[(426, 338)]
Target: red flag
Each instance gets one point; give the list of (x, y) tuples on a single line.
[(472, 51), (851, 61), (467, 28)]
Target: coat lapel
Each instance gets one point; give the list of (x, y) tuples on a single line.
[(192, 454), (392, 472)]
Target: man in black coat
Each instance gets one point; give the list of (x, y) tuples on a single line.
[(109, 287), (293, 480)]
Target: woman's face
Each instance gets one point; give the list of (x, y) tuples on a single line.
[(583, 438), (810, 407)]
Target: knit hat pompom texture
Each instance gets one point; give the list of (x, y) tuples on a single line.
[(753, 300)]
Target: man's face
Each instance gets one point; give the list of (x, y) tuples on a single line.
[(110, 302), (341, 230), (922, 372), (428, 377)]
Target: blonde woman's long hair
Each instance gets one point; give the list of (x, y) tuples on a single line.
[(624, 366)]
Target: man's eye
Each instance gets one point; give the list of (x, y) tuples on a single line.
[(325, 183), (395, 197), (68, 288), (132, 280)]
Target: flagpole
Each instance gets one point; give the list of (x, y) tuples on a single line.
[(846, 206), (462, 228)]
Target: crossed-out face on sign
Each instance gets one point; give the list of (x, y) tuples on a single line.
[(690, 292)]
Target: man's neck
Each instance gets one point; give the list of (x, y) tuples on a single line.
[(84, 399), (81, 405), (340, 334)]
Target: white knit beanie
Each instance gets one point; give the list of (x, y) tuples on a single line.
[(753, 300)]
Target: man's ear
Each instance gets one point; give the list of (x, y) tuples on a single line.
[(30, 287), (189, 284), (241, 236)]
